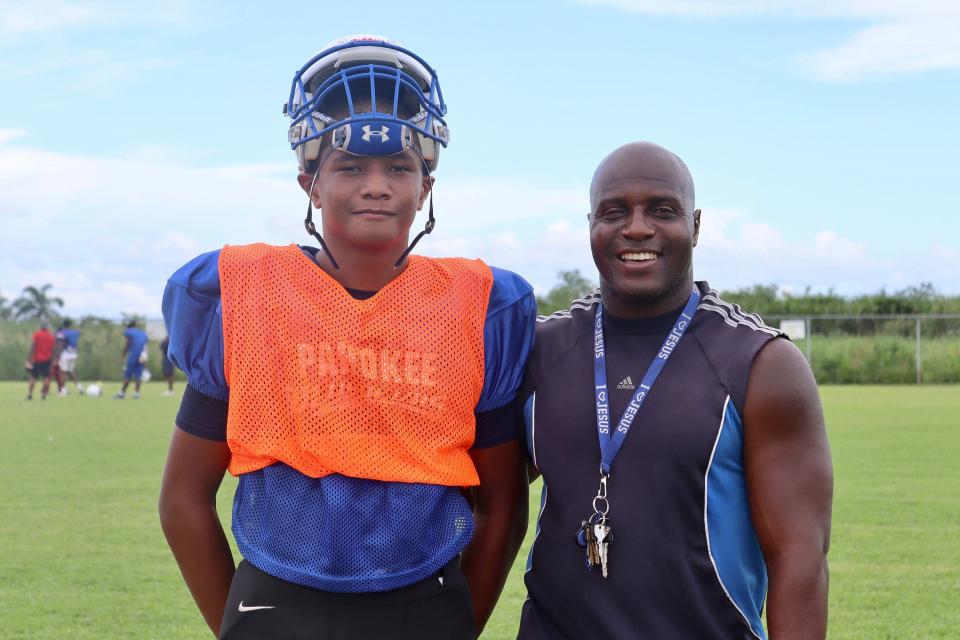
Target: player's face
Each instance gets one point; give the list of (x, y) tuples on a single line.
[(642, 232), (369, 203)]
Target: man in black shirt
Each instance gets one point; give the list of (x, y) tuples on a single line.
[(687, 476)]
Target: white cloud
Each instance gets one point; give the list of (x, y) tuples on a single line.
[(903, 35), (65, 42), (891, 47), (870, 9), (474, 204), (538, 252), (22, 19), (737, 252), (6, 135), (83, 72), (108, 231)]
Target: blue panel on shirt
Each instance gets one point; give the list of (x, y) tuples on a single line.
[(347, 535), (507, 338), (733, 543), (529, 427), (191, 311)]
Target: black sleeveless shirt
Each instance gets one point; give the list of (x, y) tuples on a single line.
[(684, 562)]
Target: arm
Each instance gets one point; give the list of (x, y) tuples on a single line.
[(188, 514), (790, 486), (500, 517)]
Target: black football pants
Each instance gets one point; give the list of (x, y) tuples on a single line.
[(262, 607)]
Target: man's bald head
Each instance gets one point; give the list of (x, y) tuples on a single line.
[(644, 160), (643, 228)]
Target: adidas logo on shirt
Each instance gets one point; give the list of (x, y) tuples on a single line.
[(626, 383)]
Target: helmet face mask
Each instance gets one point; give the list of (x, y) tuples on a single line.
[(373, 98)]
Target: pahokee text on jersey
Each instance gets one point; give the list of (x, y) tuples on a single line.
[(368, 388)]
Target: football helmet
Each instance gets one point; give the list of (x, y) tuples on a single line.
[(399, 95)]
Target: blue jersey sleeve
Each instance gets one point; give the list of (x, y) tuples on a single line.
[(192, 313), (507, 338)]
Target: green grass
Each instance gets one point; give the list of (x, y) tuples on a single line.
[(82, 556), (895, 558)]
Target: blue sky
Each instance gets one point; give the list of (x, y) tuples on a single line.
[(822, 135)]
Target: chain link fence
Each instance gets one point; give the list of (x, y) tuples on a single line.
[(877, 349)]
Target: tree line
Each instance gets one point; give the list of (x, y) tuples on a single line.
[(771, 300), (34, 303), (37, 303), (855, 351)]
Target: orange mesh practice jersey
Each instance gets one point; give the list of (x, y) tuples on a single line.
[(383, 388)]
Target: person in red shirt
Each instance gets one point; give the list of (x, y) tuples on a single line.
[(39, 359)]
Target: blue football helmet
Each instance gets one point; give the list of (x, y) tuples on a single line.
[(381, 95)]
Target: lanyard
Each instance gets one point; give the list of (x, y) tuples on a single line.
[(610, 445)]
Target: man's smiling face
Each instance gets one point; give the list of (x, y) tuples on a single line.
[(643, 228)]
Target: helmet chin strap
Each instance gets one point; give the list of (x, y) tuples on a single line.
[(308, 221), (427, 228), (312, 229)]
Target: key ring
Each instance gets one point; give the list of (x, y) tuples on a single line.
[(602, 498)]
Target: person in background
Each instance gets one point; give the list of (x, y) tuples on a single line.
[(65, 356), (39, 359), (167, 366), (134, 357), (55, 362)]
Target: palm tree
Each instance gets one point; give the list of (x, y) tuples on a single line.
[(6, 312), (36, 304)]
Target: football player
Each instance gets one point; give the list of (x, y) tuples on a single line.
[(361, 394), (65, 356), (134, 357), (39, 358)]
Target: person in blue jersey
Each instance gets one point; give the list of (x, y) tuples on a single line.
[(361, 394), (68, 341), (687, 480), (134, 357)]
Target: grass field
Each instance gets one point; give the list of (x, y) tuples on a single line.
[(82, 556)]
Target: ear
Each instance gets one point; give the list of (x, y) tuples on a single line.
[(696, 226), (305, 180), (425, 187)]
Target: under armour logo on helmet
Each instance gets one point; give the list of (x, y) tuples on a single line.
[(382, 134)]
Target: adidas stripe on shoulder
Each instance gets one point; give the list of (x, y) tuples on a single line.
[(733, 315), (586, 303)]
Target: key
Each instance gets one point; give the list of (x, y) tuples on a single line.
[(602, 535), (582, 534), (591, 550)]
